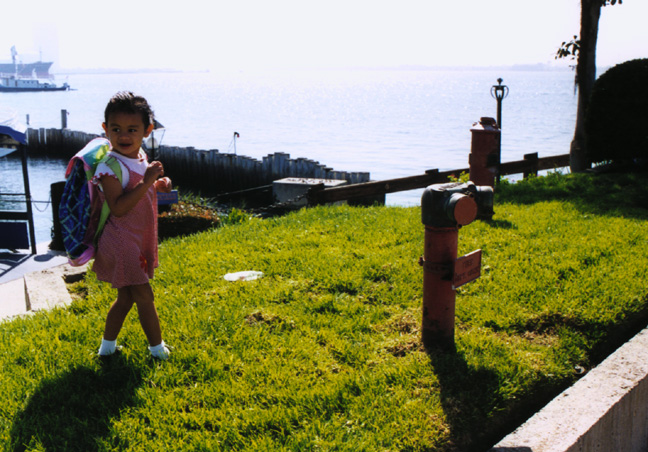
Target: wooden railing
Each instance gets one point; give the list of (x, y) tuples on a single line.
[(531, 164)]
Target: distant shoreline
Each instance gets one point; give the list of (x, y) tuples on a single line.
[(102, 71), (543, 67)]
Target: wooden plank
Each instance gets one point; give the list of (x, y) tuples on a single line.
[(557, 161), (318, 195), (544, 163)]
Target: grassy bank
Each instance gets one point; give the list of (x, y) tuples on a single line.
[(323, 352)]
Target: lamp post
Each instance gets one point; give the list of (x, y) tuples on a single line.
[(153, 143), (236, 135), (499, 92)]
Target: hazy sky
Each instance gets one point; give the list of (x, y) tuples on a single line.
[(243, 34)]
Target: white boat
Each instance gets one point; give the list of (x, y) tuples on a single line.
[(14, 84)]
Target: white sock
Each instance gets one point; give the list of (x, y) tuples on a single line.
[(159, 351), (107, 347)]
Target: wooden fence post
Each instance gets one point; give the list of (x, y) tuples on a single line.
[(532, 159)]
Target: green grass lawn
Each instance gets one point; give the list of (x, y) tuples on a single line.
[(323, 353)]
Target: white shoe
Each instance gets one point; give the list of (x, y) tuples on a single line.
[(160, 351), (108, 348)]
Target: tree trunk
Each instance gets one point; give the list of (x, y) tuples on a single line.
[(585, 78)]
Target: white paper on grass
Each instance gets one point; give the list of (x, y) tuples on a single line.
[(248, 275)]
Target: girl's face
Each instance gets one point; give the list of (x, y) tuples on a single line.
[(126, 131)]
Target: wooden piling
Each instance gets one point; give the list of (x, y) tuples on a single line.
[(207, 172)]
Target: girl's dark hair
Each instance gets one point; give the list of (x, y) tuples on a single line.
[(127, 102)]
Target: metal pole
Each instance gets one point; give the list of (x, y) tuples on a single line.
[(499, 112), (28, 199), (499, 92)]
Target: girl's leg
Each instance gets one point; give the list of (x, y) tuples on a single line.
[(117, 313), (143, 297)]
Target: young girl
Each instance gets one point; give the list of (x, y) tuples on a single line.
[(127, 250)]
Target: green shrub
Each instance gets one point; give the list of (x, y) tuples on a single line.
[(615, 123)]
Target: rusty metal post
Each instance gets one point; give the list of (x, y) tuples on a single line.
[(440, 251), (484, 158), (444, 209)]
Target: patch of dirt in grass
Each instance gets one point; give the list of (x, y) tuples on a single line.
[(407, 327), (401, 349), (404, 323), (77, 290), (186, 218), (546, 340), (272, 320)]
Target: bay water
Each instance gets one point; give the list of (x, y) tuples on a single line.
[(391, 123)]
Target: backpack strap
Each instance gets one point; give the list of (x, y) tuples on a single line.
[(114, 165)]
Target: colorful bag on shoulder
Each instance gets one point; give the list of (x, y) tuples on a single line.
[(83, 211)]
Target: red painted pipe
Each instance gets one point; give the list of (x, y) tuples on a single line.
[(438, 294)]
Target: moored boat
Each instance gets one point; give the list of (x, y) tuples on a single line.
[(13, 84)]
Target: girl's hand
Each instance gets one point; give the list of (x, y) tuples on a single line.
[(152, 173), (121, 202), (163, 185)]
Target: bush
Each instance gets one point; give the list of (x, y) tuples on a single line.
[(615, 123)]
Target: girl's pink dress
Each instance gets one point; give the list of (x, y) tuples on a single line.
[(127, 252)]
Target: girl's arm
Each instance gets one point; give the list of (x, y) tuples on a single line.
[(121, 202)]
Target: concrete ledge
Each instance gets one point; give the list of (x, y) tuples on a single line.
[(606, 410), (46, 289), (13, 299), (291, 189)]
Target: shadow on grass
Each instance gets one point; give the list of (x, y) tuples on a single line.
[(472, 403), (72, 411), (620, 193), (500, 224)]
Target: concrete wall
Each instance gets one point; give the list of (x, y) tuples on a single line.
[(605, 411)]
